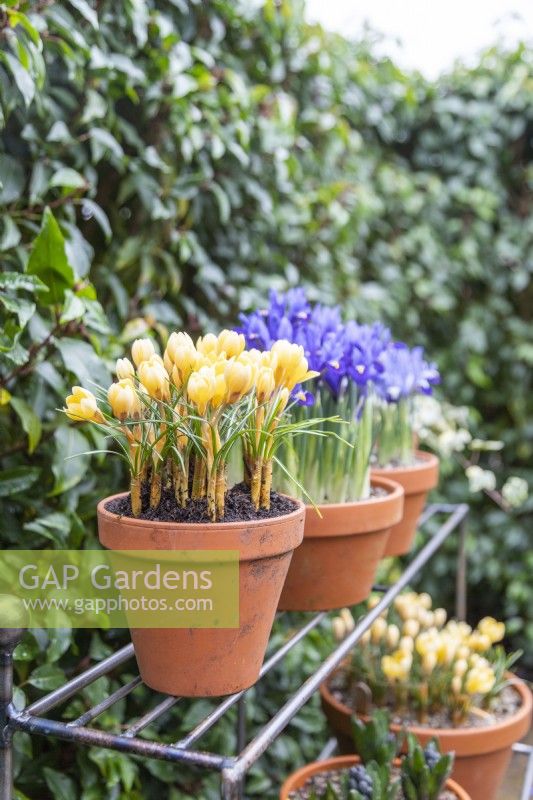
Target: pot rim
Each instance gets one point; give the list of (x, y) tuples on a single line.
[(337, 762), (417, 479), (146, 524), (461, 734), (429, 459), (394, 492)]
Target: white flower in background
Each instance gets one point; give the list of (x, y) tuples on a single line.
[(453, 441), (486, 444), (442, 426), (515, 491), (479, 479), (428, 412)]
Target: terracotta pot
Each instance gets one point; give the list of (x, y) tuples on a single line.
[(299, 778), (337, 561), (195, 662), (481, 754), (417, 481)]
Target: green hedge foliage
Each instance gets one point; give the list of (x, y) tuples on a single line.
[(163, 163)]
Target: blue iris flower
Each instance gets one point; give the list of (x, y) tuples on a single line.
[(341, 352), (405, 372)]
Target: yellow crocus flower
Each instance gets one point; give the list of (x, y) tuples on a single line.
[(201, 388), (154, 378), (397, 666), (490, 627), (231, 343), (124, 400), (239, 378), (207, 344), (124, 369), (142, 350), (82, 406), (480, 680)]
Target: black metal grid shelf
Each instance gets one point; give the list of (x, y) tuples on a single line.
[(233, 769)]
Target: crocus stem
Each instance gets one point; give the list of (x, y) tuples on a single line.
[(136, 502), (155, 489), (185, 480), (177, 480), (211, 494), (423, 709), (198, 483), (255, 491), (266, 484), (220, 491), (247, 469)]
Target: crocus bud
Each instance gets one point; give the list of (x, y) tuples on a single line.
[(426, 618), (397, 666), (365, 638), (457, 684), (407, 644), (439, 616), (167, 362), (238, 380), (291, 364), (283, 399), (460, 667), (495, 631), (429, 662), (202, 387), (221, 390), (411, 628), (339, 631), (393, 636), (124, 369), (463, 651), (265, 384), (124, 400), (479, 642), (82, 406), (178, 340), (347, 618), (378, 629), (142, 350), (154, 378), (207, 344), (480, 680), (231, 343)]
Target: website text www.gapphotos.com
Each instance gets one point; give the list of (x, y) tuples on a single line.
[(99, 588)]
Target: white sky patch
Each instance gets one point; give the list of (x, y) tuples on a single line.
[(429, 35)]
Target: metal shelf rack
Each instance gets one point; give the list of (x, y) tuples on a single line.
[(34, 719)]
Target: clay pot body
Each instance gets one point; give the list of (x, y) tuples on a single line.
[(417, 481), (299, 778), (210, 662), (337, 561), (482, 754)]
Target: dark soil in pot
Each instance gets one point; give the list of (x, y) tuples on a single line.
[(238, 507)]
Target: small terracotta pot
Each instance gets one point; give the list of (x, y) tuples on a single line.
[(417, 481), (337, 561), (210, 662), (482, 754), (299, 778)]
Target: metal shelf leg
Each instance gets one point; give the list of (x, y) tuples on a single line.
[(9, 638)]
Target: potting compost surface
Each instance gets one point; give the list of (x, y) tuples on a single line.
[(318, 784), (505, 705), (238, 507)]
